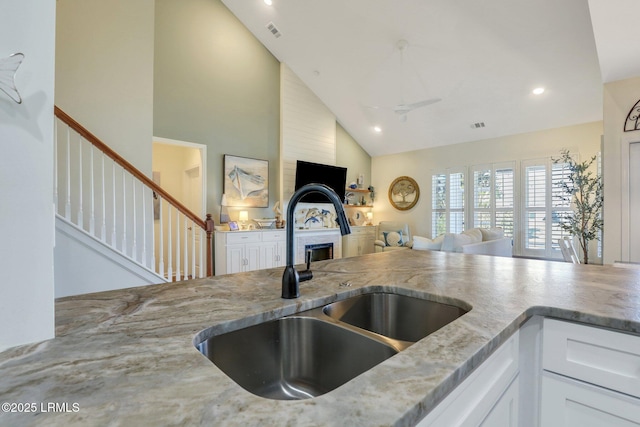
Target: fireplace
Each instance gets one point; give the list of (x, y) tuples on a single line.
[(319, 251), (325, 243)]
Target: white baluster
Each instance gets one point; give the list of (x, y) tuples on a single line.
[(161, 242), (92, 218), (178, 244), (103, 232), (124, 212), (153, 235), (55, 165), (169, 246), (80, 218), (144, 228), (185, 250), (134, 249), (194, 230), (67, 206), (114, 245), (203, 239)]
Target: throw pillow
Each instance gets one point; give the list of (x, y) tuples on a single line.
[(475, 233), (425, 244), (492, 233), (454, 242), (393, 238)]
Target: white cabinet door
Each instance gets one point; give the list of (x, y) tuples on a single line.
[(488, 396), (367, 245), (569, 403), (505, 411), (235, 259), (349, 246), (252, 257), (359, 242), (271, 255)]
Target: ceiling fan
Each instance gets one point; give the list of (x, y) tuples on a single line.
[(402, 109)]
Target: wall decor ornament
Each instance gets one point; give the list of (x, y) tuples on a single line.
[(404, 193), (633, 119), (246, 182), (8, 68)]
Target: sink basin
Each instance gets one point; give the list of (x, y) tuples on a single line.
[(293, 357), (395, 316)]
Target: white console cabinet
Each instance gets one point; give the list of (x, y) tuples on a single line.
[(238, 251), (359, 242)]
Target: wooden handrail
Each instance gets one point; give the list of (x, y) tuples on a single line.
[(126, 165), (207, 225)]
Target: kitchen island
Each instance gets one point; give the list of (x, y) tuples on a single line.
[(127, 357)]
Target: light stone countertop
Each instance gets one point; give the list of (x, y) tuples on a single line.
[(126, 357)]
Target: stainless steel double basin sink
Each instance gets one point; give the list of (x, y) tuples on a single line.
[(316, 351)]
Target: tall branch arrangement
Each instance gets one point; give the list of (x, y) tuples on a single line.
[(583, 189)]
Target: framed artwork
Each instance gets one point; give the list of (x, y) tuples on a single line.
[(233, 226), (404, 193), (246, 182)]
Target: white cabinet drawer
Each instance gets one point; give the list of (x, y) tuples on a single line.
[(274, 236), (569, 403), (598, 356), (363, 230), (240, 237)]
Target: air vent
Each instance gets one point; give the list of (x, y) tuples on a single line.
[(274, 30), (477, 125)]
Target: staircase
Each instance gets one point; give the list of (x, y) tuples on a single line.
[(114, 224)]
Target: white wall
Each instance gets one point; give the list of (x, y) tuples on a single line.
[(420, 165), (84, 264), (619, 97), (307, 129), (26, 136), (104, 72)]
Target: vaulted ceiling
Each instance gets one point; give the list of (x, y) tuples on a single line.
[(481, 58)]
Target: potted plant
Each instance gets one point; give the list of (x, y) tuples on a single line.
[(583, 189)]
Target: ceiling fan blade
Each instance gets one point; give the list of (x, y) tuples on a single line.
[(405, 108), (423, 103)]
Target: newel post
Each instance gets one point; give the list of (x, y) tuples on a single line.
[(209, 229)]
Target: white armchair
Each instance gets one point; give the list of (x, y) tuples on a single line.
[(392, 236)]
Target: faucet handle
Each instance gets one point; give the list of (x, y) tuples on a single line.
[(306, 274), (307, 258)]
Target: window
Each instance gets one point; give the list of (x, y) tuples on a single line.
[(494, 197), (544, 205), (447, 203)]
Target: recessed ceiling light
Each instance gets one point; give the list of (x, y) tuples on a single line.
[(538, 91), (268, 2), (377, 129)]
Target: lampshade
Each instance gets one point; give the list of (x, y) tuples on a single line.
[(369, 216), (243, 216), (223, 202)]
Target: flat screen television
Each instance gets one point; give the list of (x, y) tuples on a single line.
[(334, 177)]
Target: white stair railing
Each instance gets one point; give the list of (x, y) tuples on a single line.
[(94, 185)]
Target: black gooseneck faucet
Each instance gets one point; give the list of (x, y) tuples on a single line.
[(291, 278)]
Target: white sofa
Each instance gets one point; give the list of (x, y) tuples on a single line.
[(481, 241)]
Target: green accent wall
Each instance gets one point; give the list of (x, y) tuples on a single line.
[(215, 84)]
